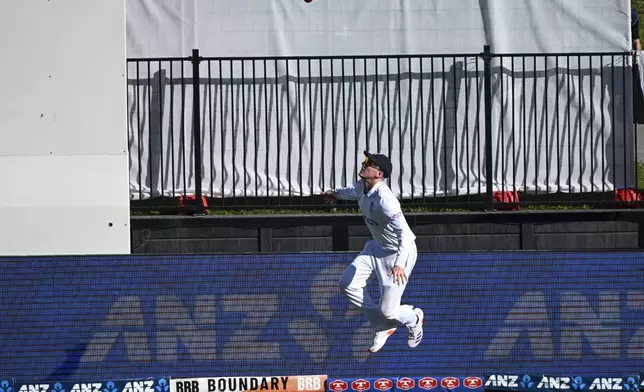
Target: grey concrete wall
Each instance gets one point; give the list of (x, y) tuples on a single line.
[(270, 234)]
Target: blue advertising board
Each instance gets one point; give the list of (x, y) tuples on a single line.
[(79, 318)]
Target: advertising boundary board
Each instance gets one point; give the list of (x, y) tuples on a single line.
[(80, 318)]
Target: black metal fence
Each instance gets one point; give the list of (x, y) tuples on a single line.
[(268, 132)]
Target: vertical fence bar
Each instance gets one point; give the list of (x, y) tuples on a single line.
[(151, 173), (222, 131), (536, 127), (487, 87), (456, 136), (354, 87), (171, 129), (196, 123), (502, 171), (524, 128), (234, 128), (323, 187), (603, 122), (568, 114), (242, 89), (547, 124), (445, 130), (183, 163), (592, 123), (367, 132), (412, 145), (255, 112), (267, 120), (334, 134), (515, 156), (612, 124), (311, 132), (400, 125), (299, 129), (344, 125), (423, 141), (478, 124), (161, 83), (581, 104), (387, 116), (558, 130), (468, 87), (213, 124), (634, 124), (278, 130), (625, 153), (433, 111), (139, 131), (377, 108)]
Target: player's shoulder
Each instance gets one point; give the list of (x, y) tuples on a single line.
[(385, 191), (388, 198)]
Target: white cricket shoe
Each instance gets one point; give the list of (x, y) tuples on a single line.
[(380, 338), (416, 332)]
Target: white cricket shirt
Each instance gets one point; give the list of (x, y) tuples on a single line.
[(383, 215)]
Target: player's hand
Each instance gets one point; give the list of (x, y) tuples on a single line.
[(399, 275), (329, 197)]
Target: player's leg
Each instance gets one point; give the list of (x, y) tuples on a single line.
[(353, 285), (392, 294), (354, 282)]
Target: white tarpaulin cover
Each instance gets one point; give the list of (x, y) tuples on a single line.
[(309, 121)]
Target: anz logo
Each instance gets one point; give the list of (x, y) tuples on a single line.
[(34, 388), (562, 383), (139, 386), (370, 221)]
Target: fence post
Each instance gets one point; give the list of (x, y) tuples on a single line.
[(487, 91), (196, 126)]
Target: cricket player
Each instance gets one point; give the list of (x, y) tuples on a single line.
[(391, 255)]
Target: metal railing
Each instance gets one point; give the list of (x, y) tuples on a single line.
[(264, 132)]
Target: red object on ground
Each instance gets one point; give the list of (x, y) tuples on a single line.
[(509, 200), (628, 198), (191, 200)]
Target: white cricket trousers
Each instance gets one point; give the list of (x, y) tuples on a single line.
[(374, 260)]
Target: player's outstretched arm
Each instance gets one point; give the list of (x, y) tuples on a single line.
[(346, 193)]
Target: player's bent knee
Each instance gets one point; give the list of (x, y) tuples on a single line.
[(345, 282), (388, 312)]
